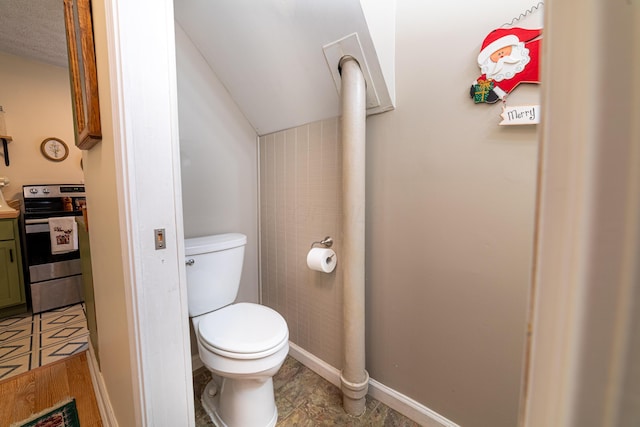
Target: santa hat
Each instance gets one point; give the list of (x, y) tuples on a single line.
[(503, 37)]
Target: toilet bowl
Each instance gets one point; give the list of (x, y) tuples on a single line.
[(245, 356), (245, 344)]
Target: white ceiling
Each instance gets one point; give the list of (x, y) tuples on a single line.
[(34, 29), (267, 53)]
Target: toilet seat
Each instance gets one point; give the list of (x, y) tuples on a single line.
[(243, 331)]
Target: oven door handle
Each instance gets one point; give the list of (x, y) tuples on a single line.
[(38, 226), (37, 221)]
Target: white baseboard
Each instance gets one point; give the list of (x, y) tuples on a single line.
[(407, 406), (100, 390), (317, 365), (393, 399)]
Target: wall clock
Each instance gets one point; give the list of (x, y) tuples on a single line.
[(54, 149)]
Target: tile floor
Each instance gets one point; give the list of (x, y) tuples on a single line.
[(28, 341), (305, 399)]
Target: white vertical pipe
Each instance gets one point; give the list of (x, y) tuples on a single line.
[(354, 378)]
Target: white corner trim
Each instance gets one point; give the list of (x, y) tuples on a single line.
[(100, 390), (393, 399)]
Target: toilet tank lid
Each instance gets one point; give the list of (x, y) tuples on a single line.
[(214, 243)]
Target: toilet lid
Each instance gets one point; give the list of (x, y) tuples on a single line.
[(243, 328)]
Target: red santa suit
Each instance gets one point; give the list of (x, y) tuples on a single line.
[(522, 64)]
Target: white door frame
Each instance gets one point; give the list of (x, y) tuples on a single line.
[(142, 67), (586, 264)]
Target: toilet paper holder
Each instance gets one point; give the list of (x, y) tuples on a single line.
[(327, 242)]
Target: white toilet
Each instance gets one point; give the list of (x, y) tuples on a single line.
[(245, 344)]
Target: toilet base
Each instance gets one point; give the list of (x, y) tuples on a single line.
[(210, 399), (227, 405)]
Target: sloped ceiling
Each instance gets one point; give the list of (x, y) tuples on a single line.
[(269, 53), (34, 29)]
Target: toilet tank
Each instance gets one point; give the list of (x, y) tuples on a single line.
[(214, 267)]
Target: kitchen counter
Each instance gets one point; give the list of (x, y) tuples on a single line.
[(11, 210), (12, 213)]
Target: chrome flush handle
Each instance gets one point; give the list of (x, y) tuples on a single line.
[(190, 261)]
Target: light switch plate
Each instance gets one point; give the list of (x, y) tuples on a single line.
[(160, 238)]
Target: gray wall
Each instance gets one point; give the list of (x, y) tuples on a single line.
[(450, 204), (219, 160)]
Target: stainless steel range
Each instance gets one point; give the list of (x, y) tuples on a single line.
[(53, 279)]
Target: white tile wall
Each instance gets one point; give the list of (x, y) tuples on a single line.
[(300, 202)]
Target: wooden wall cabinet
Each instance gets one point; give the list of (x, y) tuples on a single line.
[(83, 73)]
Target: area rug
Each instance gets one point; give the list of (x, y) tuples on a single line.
[(63, 414)]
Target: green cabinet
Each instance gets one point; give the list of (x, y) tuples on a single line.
[(12, 292)]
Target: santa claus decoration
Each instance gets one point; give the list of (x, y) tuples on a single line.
[(507, 58)]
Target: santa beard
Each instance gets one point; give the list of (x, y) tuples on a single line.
[(507, 66)]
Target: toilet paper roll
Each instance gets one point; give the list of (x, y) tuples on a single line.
[(322, 259)]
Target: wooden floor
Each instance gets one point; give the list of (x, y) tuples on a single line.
[(41, 388)]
